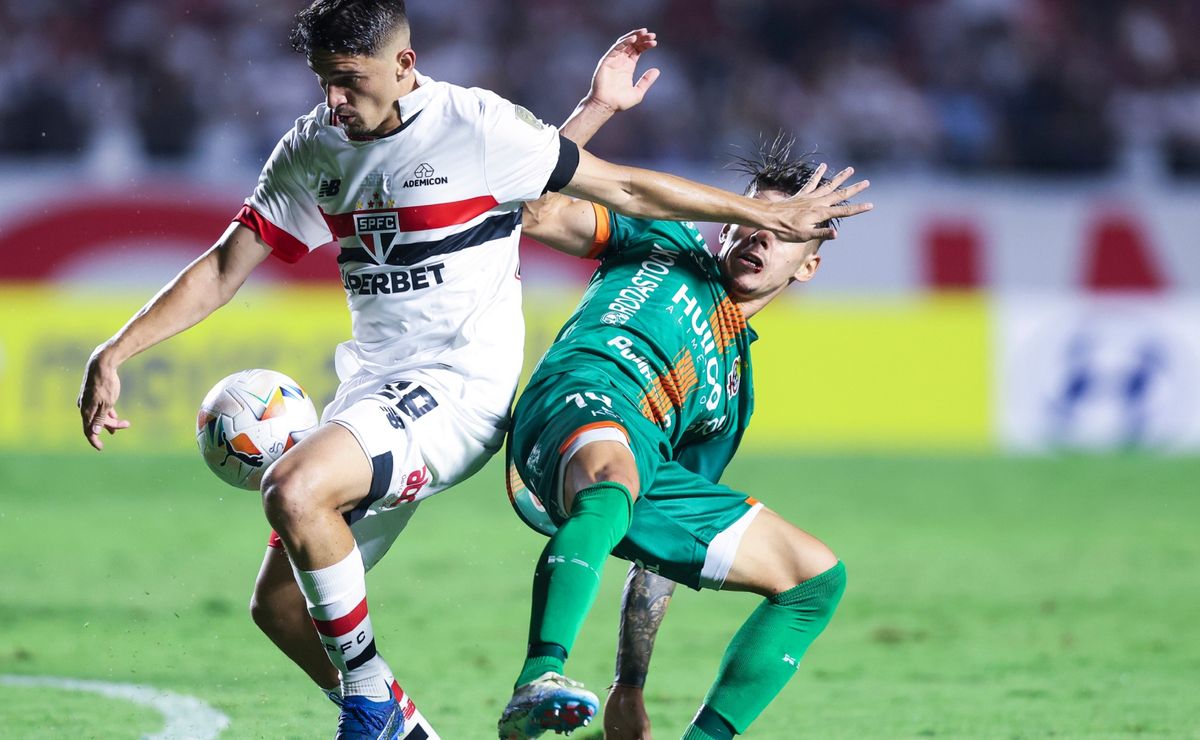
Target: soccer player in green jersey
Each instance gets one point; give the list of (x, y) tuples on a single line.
[(628, 421)]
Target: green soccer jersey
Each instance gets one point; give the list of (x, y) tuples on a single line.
[(657, 323)]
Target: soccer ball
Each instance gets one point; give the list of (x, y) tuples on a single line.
[(248, 420)]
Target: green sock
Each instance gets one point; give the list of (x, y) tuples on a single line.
[(708, 725), (764, 653), (568, 573), (695, 733)]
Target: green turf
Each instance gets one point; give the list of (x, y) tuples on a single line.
[(988, 597)]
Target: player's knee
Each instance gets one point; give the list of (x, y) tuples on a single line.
[(797, 558), (287, 496), (815, 599)]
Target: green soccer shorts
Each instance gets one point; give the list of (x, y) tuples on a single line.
[(684, 526)]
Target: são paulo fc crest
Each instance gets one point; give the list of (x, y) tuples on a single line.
[(377, 232)]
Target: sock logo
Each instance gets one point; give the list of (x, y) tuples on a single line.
[(789, 660)]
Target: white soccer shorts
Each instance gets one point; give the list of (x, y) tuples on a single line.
[(422, 434)]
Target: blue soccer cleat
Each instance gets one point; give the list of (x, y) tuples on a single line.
[(363, 719), (549, 702)]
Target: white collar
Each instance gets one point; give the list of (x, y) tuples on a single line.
[(412, 103)]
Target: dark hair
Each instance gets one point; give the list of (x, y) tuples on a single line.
[(355, 27), (771, 167)]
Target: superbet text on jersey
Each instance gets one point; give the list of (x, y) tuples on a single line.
[(427, 220)]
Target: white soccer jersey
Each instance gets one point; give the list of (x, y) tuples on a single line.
[(428, 220)]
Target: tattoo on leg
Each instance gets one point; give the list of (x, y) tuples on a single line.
[(643, 606)]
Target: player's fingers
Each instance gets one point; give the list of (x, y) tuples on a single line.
[(848, 192), (847, 210), (644, 40), (813, 180), (87, 412), (92, 434), (99, 418), (647, 79), (630, 38), (822, 233), (836, 181), (115, 422)]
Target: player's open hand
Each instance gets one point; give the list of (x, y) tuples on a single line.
[(625, 715), (800, 214), (97, 399), (612, 83)]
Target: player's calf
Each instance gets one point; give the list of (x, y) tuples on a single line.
[(279, 610), (802, 582), (765, 653)]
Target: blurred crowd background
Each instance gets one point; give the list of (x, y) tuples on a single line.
[(1059, 87), (1028, 281)]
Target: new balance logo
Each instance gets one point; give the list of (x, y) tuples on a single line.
[(423, 175), (328, 188)]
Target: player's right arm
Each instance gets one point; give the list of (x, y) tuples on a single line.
[(643, 606), (201, 288)]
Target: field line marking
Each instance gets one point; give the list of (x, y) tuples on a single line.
[(186, 717)]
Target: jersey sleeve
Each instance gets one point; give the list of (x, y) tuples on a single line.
[(281, 210), (615, 232), (522, 157)]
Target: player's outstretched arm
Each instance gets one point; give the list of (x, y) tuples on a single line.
[(643, 606), (568, 224), (656, 195), (201, 288)]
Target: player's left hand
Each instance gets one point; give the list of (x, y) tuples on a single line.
[(612, 82), (625, 715)]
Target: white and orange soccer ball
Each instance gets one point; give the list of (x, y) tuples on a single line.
[(248, 420)]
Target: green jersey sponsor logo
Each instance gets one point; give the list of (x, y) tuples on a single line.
[(623, 345), (642, 284), (707, 345)]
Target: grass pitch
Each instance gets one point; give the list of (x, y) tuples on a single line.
[(988, 597)]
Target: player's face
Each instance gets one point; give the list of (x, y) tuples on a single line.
[(362, 90), (757, 266)]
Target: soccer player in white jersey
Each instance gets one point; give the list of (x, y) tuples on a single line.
[(421, 184)]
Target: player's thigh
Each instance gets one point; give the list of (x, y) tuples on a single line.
[(599, 461), (416, 438), (326, 469), (774, 555), (571, 430)]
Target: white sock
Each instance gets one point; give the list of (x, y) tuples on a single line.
[(337, 601)]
